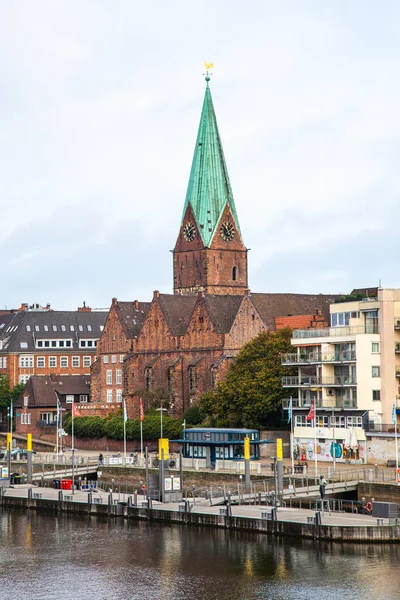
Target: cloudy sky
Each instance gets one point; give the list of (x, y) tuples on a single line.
[(99, 108)]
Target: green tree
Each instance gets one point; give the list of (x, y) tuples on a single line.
[(7, 394), (251, 394)]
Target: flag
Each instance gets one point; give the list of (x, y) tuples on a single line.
[(394, 413), (141, 411), (209, 65), (290, 410), (75, 410), (311, 414), (125, 413)]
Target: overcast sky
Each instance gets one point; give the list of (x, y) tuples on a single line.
[(99, 107)]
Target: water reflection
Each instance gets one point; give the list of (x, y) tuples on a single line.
[(62, 557)]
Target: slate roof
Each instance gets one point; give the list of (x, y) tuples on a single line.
[(270, 306), (19, 334), (132, 315), (177, 311), (45, 390), (222, 310)]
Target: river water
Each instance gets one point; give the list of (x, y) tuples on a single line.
[(60, 557)]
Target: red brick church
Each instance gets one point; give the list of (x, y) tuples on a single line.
[(179, 345)]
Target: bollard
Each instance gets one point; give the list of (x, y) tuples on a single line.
[(89, 500)]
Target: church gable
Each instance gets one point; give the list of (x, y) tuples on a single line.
[(189, 237), (155, 334), (201, 332), (247, 325), (226, 235), (113, 338)]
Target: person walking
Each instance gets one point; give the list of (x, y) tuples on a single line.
[(100, 459), (322, 486)]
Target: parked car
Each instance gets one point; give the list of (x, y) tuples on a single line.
[(20, 453)]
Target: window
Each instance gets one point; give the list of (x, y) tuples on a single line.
[(89, 328), (121, 358), (3, 362), (87, 361), (376, 394), (64, 362), (28, 327), (54, 343), (68, 343), (46, 327), (338, 422), (63, 328), (300, 421), (26, 362), (39, 343), (214, 373), (109, 377), (80, 327), (40, 362), (375, 349), (113, 358), (23, 345), (26, 418), (26, 400), (23, 378), (69, 398), (76, 361), (71, 328), (170, 379), (52, 362), (376, 371), (119, 395), (354, 421), (192, 380), (82, 343), (109, 396), (46, 344), (118, 377), (83, 398), (61, 344), (148, 379), (234, 274), (105, 359), (37, 328), (54, 327), (322, 420)]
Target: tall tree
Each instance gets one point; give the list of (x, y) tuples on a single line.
[(251, 394)]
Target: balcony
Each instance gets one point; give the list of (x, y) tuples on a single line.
[(313, 381), (335, 331), (317, 357), (340, 403), (397, 348), (397, 322)]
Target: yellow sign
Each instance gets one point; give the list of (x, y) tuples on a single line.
[(209, 66), (279, 449), (9, 442), (163, 444), (247, 448), (29, 442)]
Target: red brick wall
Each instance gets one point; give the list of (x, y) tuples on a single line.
[(14, 371)]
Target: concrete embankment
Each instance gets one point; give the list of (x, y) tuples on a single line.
[(338, 527)]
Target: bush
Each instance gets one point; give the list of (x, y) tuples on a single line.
[(194, 416)]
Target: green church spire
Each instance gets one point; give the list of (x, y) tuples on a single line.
[(209, 188)]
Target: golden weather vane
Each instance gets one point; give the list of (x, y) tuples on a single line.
[(208, 66)]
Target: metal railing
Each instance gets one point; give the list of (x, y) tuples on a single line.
[(335, 331), (317, 357), (311, 380)]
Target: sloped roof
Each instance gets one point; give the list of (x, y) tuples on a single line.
[(222, 310), (21, 332), (45, 390), (209, 188), (177, 311), (132, 315), (270, 306)]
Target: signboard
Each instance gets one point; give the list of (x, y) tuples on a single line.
[(279, 449), (4, 472), (177, 484), (167, 484), (163, 444)]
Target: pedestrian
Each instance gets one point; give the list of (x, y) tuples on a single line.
[(322, 486), (100, 459)]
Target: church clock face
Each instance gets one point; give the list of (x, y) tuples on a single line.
[(189, 232), (227, 231)]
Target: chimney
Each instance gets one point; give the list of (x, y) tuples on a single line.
[(136, 304), (156, 294)]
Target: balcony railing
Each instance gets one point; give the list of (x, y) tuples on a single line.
[(42, 423), (397, 322), (318, 357), (335, 331), (323, 404), (397, 348), (311, 380)]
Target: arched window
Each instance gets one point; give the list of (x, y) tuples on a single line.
[(234, 274), (148, 379), (214, 373), (170, 379), (192, 380)]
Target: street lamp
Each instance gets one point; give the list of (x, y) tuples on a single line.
[(161, 410)]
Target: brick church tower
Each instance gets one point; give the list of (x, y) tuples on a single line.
[(209, 255)]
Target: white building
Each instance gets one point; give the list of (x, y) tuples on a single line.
[(350, 370)]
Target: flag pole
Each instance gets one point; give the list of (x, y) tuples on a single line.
[(291, 432), (73, 448), (141, 414), (125, 419)]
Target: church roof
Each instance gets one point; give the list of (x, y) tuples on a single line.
[(209, 188), (177, 311), (270, 306), (222, 310), (132, 315)]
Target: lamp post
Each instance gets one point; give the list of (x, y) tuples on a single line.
[(161, 410)]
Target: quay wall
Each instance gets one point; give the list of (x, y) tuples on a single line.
[(381, 492), (356, 534)]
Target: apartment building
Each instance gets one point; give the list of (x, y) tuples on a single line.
[(47, 342), (350, 371)]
